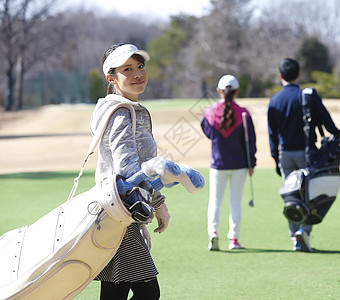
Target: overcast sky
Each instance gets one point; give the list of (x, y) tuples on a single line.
[(156, 8)]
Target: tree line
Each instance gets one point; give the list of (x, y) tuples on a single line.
[(52, 53)]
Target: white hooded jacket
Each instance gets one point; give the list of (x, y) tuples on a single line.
[(120, 151)]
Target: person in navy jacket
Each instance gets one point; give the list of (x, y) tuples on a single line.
[(222, 124), (286, 135)]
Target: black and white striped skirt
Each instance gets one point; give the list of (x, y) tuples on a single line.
[(132, 261)]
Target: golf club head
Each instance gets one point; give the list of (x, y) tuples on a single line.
[(251, 203)]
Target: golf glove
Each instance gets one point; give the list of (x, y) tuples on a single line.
[(157, 199), (278, 171), (163, 218), (277, 166), (145, 234)]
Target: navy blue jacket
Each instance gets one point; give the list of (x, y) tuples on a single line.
[(285, 122)]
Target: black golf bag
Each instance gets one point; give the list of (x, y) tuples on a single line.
[(309, 193)]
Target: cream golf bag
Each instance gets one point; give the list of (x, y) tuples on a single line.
[(57, 256), (61, 253)]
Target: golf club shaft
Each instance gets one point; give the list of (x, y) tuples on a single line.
[(246, 136), (251, 188)]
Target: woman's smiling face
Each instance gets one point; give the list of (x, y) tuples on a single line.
[(130, 79)]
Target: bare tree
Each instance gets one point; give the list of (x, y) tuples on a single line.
[(235, 37), (88, 35), (20, 27), (9, 37), (303, 18), (216, 47), (40, 35), (269, 39)]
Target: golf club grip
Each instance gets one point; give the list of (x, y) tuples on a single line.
[(244, 121)]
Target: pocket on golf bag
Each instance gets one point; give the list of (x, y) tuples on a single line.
[(318, 209), (322, 192), (308, 208), (292, 191), (295, 210)]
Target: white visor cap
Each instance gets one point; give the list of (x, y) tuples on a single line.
[(120, 55), (228, 80)]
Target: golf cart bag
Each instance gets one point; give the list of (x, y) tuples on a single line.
[(61, 253), (309, 193)]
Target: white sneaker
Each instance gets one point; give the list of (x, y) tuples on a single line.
[(213, 244), (302, 238), (234, 244)]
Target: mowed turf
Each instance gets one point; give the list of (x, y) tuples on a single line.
[(266, 269)]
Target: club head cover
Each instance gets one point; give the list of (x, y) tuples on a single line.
[(191, 179), (171, 174), (160, 166)]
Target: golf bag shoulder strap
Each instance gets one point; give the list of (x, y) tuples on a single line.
[(307, 119), (306, 103), (98, 135)]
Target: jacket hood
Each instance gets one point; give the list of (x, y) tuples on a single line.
[(103, 105)]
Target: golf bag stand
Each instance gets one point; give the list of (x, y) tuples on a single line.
[(309, 193)]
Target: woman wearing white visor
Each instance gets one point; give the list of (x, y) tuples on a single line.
[(122, 151)]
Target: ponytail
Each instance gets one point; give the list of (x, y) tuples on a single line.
[(110, 89), (228, 118)]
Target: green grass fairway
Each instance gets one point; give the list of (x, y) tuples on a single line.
[(266, 269)]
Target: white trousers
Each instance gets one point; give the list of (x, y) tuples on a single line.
[(217, 183)]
